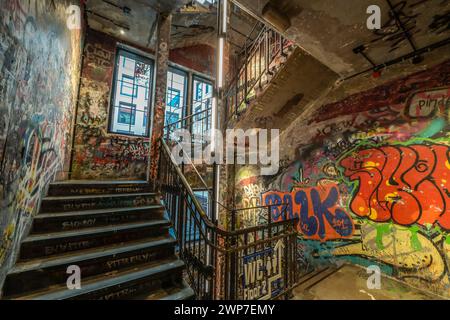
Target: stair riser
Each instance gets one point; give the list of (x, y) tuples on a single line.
[(80, 190), (64, 205), (133, 288), (40, 279), (56, 246), (57, 224)]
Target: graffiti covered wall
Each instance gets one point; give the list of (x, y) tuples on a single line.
[(370, 182), (97, 153), (40, 68)]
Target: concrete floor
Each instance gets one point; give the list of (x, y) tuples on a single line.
[(350, 283)]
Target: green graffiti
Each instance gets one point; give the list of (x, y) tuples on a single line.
[(434, 128), (381, 230), (447, 239), (415, 243)]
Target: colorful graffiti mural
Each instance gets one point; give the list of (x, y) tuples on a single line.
[(408, 184), (40, 68), (370, 181)]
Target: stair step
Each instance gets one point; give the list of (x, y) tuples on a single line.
[(92, 202), (116, 285), (184, 294), (83, 187), (40, 273), (181, 291), (60, 242), (67, 221)]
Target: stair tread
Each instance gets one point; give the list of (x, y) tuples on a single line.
[(96, 196), (88, 254), (106, 280), (180, 292), (90, 231), (97, 211), (183, 294)]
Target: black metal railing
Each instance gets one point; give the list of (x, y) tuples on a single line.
[(227, 262), (260, 61), (199, 176), (197, 124)]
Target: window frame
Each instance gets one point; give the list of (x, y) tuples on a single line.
[(128, 53), (133, 87), (200, 78), (178, 94), (183, 102), (132, 108)]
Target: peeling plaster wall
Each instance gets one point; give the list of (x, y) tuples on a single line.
[(97, 153), (40, 69), (369, 181)]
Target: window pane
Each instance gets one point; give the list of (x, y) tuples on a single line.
[(202, 197), (201, 106), (127, 113), (175, 99), (131, 96)]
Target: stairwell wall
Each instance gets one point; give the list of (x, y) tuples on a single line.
[(98, 154), (40, 69), (367, 174), (102, 155)]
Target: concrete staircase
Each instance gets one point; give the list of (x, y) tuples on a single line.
[(286, 94), (116, 232)]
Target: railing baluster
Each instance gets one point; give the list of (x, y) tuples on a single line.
[(257, 59), (214, 266)]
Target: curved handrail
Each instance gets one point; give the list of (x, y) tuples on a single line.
[(205, 185), (212, 254), (186, 185), (168, 126), (210, 224)]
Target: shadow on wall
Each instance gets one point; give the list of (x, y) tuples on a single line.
[(371, 184), (40, 62)]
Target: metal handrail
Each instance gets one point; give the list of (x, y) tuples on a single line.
[(168, 126), (261, 51), (213, 255)]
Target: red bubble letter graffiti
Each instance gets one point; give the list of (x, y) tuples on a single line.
[(408, 184)]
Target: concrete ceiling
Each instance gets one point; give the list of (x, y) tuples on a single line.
[(130, 20), (330, 29), (198, 25), (135, 21)]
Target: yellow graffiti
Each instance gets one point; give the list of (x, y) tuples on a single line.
[(6, 241), (397, 251)]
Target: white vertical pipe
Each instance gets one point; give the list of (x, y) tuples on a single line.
[(224, 16), (213, 124), (220, 62)]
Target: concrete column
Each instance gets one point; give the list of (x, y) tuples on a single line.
[(162, 66)]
